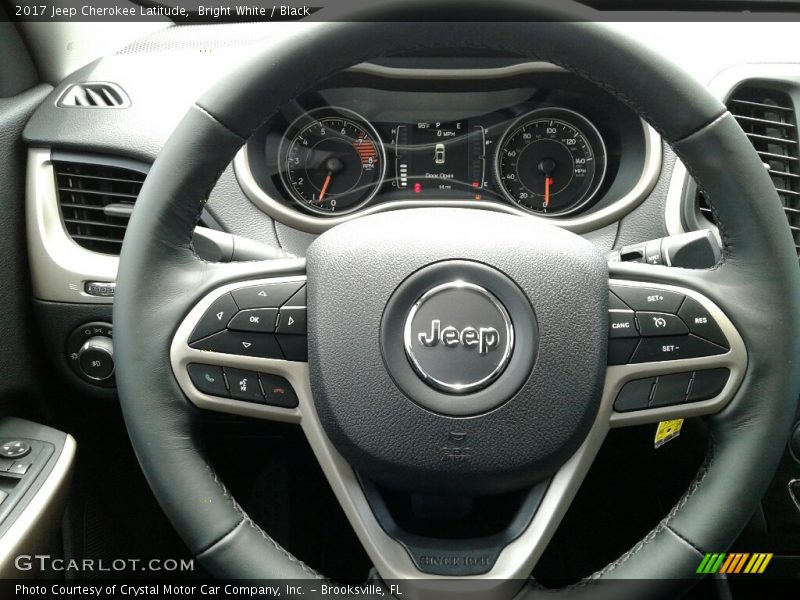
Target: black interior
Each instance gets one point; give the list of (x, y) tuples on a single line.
[(269, 468)]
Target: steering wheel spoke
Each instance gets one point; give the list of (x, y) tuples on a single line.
[(673, 353)]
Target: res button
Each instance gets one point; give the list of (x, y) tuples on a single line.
[(701, 322)]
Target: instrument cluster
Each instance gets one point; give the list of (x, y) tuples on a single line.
[(554, 147)]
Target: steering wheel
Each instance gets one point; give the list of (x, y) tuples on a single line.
[(454, 350)]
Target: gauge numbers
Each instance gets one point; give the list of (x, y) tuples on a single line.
[(551, 161), (332, 162)]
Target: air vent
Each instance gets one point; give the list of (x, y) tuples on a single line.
[(767, 117), (95, 95), (96, 202)]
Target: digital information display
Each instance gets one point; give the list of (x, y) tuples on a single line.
[(435, 156)]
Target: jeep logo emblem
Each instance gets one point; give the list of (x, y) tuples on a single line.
[(485, 338), (458, 337)]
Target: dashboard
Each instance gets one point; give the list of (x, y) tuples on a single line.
[(527, 138)]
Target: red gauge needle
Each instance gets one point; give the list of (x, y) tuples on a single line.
[(325, 186), (548, 181)]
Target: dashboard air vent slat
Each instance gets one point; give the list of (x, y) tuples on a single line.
[(768, 118), (85, 193), (95, 95)]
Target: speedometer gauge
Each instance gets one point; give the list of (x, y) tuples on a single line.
[(332, 161), (551, 161)]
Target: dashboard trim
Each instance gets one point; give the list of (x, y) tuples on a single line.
[(59, 266)]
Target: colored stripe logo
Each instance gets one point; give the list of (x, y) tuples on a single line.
[(733, 563)]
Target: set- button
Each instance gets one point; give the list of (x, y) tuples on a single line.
[(672, 389), (265, 321), (651, 324), (241, 384)]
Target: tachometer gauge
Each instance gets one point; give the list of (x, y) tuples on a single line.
[(332, 161), (551, 161)]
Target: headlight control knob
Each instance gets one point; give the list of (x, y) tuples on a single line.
[(96, 358), (90, 353)]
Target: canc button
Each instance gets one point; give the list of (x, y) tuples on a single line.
[(621, 324)]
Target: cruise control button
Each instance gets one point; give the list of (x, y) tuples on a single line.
[(295, 347), (635, 395), (215, 318), (654, 323), (268, 295), (261, 320), (262, 345), (656, 349), (292, 321), (208, 379), (670, 389), (620, 350), (701, 322), (707, 384), (244, 385), (649, 299), (621, 324), (278, 391)]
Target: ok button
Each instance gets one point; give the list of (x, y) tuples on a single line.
[(261, 320)]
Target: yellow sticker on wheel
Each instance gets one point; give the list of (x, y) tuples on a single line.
[(667, 430)]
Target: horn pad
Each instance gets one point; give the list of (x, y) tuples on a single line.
[(447, 359)]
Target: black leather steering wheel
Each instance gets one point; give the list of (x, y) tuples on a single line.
[(359, 404)]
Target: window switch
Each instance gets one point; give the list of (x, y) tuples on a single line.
[(19, 468)]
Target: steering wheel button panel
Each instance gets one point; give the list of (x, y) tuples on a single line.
[(649, 298), (655, 349), (671, 389), (295, 347), (663, 377), (244, 385), (215, 318), (270, 295), (701, 322), (635, 395), (614, 303), (278, 391), (261, 320), (656, 324), (622, 324), (262, 345), (298, 300), (707, 384), (620, 350), (292, 320), (209, 379)]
